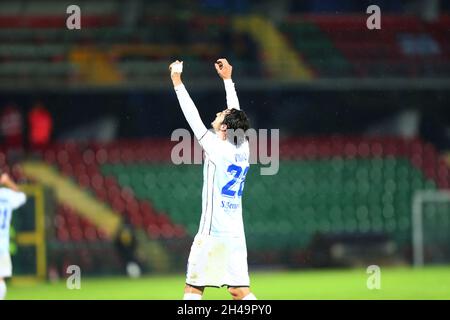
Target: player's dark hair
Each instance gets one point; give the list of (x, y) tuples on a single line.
[(238, 122), (237, 119)]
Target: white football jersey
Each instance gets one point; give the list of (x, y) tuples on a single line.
[(224, 172), (9, 201)]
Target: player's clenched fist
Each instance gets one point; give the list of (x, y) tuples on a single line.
[(223, 68), (176, 68)]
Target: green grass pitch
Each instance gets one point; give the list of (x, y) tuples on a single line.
[(396, 283)]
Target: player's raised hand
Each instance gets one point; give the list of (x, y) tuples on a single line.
[(223, 68), (176, 68)]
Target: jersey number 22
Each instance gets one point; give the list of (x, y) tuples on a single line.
[(238, 173)]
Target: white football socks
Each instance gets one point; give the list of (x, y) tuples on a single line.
[(2, 290), (192, 296), (250, 296)]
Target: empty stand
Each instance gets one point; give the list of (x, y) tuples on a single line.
[(342, 46)]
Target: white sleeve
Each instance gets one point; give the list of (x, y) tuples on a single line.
[(232, 99), (16, 199), (190, 112)]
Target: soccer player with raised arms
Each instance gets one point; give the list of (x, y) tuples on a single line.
[(10, 199), (218, 255)]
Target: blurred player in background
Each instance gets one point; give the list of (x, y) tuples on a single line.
[(218, 254), (10, 199)]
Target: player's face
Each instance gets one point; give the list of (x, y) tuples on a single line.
[(220, 117)]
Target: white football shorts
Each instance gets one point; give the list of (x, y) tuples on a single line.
[(218, 261), (5, 265)]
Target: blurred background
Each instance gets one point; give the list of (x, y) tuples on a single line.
[(86, 118)]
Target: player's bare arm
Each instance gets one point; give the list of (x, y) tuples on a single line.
[(225, 70), (6, 181)]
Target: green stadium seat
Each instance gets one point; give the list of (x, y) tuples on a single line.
[(338, 195)]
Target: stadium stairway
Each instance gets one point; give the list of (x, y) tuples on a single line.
[(81, 163), (71, 195), (281, 60), (81, 217), (315, 47)]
